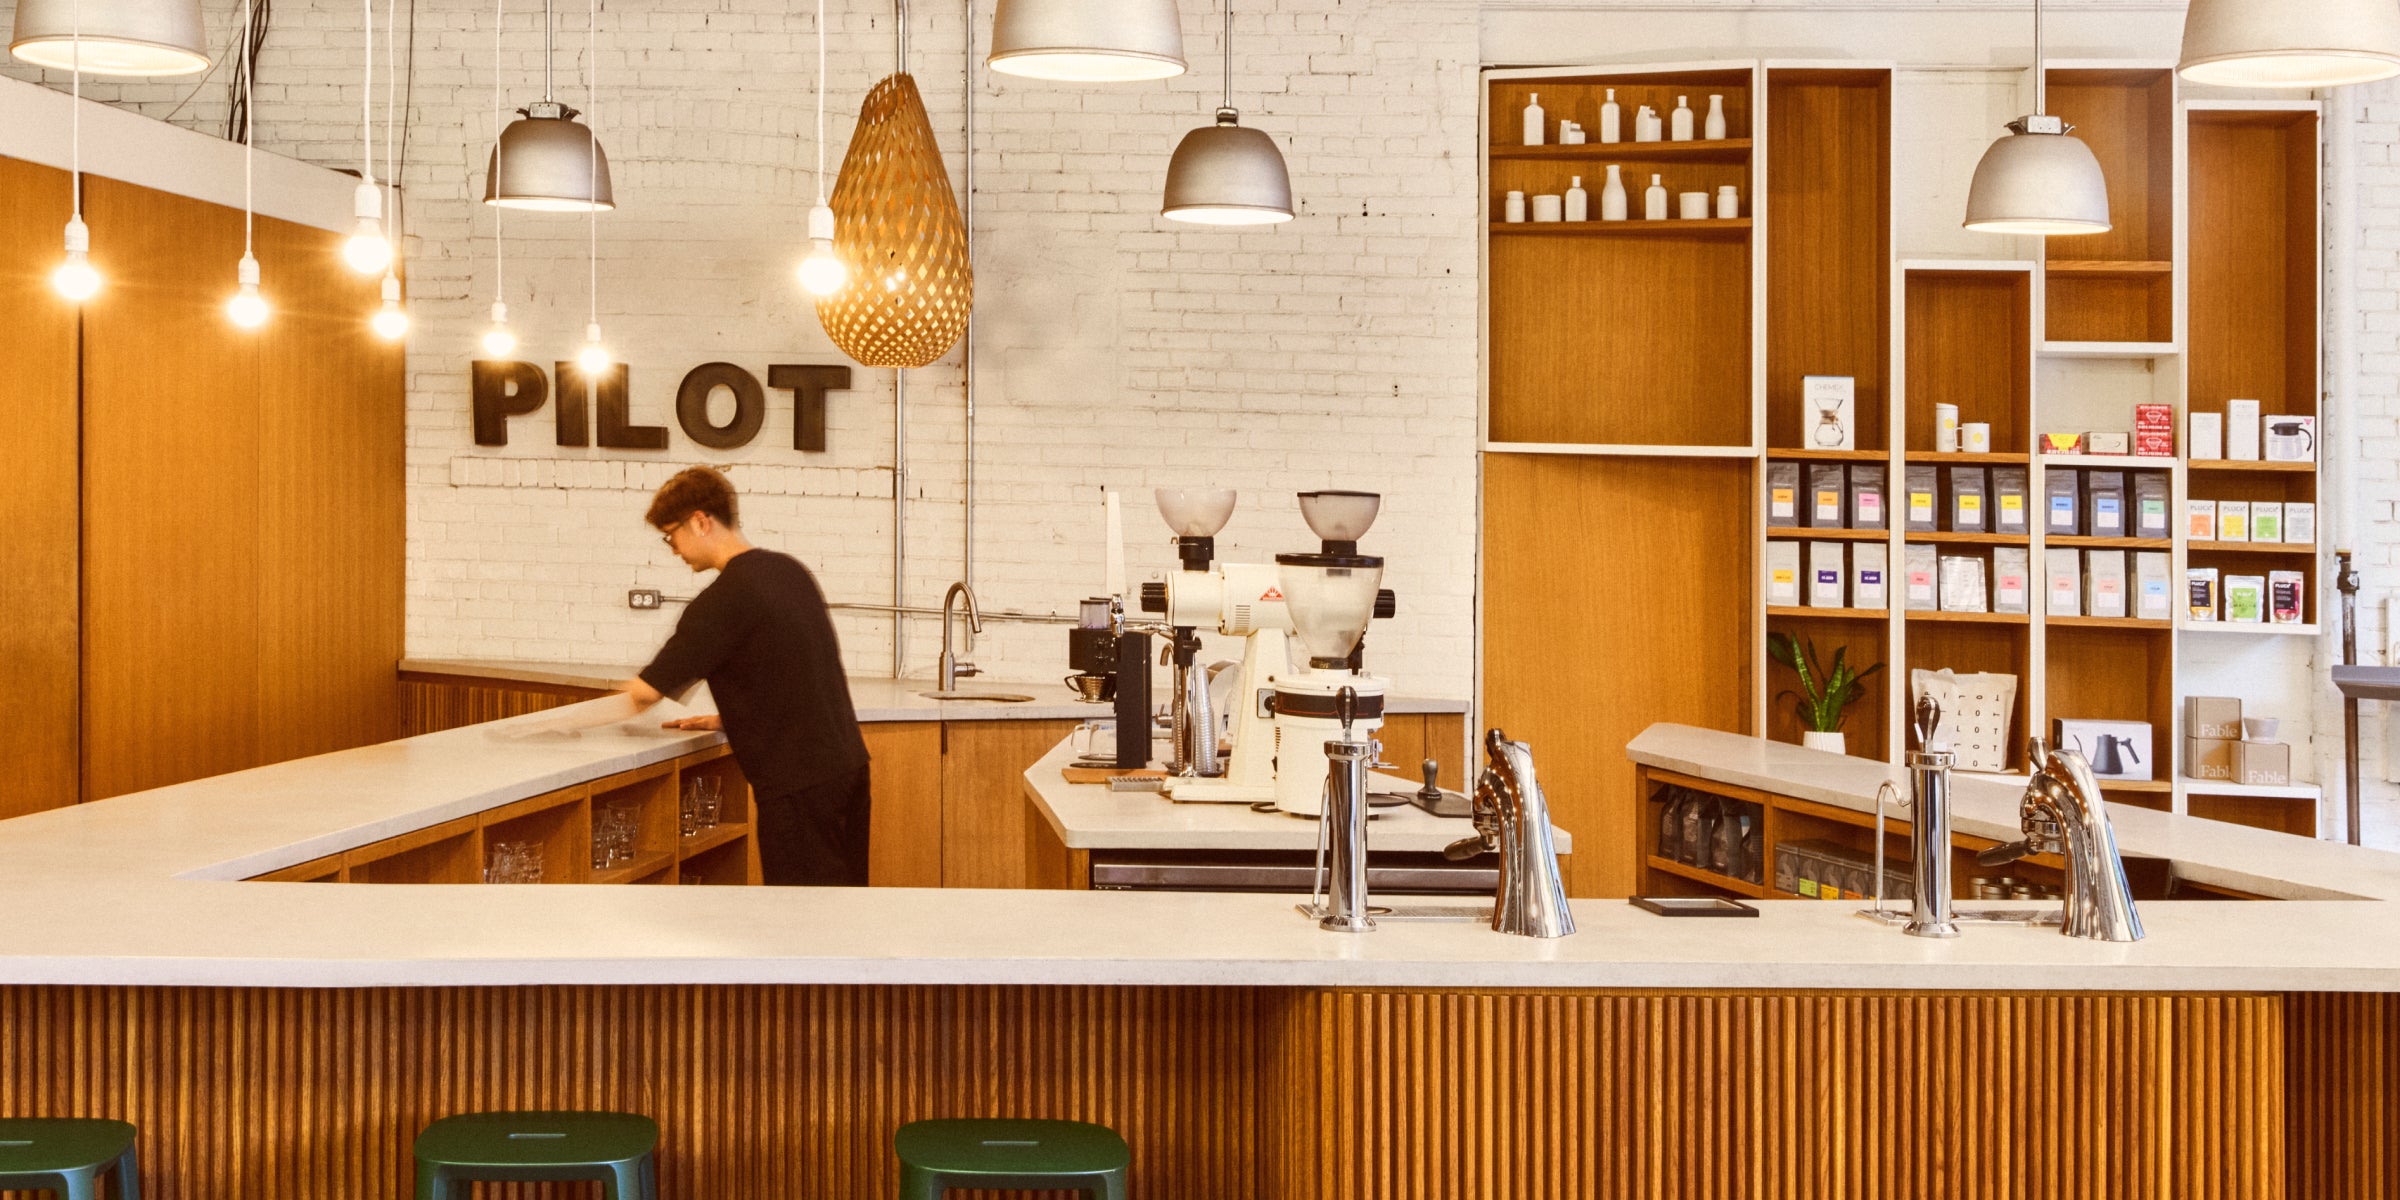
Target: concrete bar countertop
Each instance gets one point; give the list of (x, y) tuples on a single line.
[(141, 890)]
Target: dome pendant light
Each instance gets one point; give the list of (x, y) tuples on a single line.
[(2290, 43), (120, 37), (75, 279), (553, 164), (247, 308), (368, 252), (2040, 179), (1087, 41), (1224, 174), (901, 236), (823, 272)]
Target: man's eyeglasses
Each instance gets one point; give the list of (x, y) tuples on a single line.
[(667, 535)]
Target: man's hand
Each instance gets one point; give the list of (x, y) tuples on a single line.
[(710, 723)]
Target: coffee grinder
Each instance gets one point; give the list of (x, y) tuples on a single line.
[(1236, 599), (1329, 596)]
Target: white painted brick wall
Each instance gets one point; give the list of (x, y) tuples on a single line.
[(1116, 349)]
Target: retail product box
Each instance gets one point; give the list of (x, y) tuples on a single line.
[(2104, 503), (1924, 499), (2063, 570), (1783, 494), (1828, 485), (2062, 501), (2012, 579), (2290, 439), (1783, 574), (1870, 576), (2266, 520), (2153, 600), (2062, 443), (2154, 418), (2200, 520), (2207, 431), (2299, 523), (1963, 588), (2241, 430), (2245, 599), (2008, 500), (1829, 408), (1967, 489), (2287, 597), (2154, 445), (2262, 764), (2150, 496), (1917, 566), (2108, 441), (1825, 571), (2212, 717), (2200, 598), (2104, 583), (2233, 520), (2208, 757), (1867, 508), (2115, 749)]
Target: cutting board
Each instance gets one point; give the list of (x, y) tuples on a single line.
[(1104, 774)]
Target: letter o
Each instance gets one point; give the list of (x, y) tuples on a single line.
[(749, 405)]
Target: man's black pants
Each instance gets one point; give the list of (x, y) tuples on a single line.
[(816, 836)]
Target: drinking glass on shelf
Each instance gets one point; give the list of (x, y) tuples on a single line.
[(689, 811), (712, 796), (529, 862)]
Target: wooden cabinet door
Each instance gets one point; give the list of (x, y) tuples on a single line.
[(904, 838), (39, 563), (985, 822)]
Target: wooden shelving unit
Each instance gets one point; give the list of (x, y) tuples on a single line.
[(2119, 286), (1734, 227), (560, 824)]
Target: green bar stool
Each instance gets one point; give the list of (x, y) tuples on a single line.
[(1014, 1155), (618, 1149), (67, 1155)]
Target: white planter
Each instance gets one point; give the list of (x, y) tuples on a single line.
[(1831, 743)]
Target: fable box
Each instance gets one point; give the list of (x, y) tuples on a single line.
[(2115, 749), (2262, 764), (2217, 717), (2209, 758)]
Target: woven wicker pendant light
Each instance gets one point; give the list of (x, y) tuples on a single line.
[(899, 231)]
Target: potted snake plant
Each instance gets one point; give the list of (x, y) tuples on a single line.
[(1826, 691)]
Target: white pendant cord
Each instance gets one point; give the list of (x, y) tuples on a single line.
[(2041, 75), (75, 149), (249, 125), (1228, 39), (366, 99), (591, 121), (391, 112), (499, 147), (820, 103)]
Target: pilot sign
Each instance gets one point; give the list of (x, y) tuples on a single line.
[(514, 389)]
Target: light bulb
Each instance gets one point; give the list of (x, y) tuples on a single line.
[(247, 309), (391, 322), (498, 341), (75, 279), (593, 358), (823, 272), (368, 252)]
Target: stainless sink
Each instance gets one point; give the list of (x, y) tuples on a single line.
[(988, 697)]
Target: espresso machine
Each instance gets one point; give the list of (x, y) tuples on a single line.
[(1112, 663)]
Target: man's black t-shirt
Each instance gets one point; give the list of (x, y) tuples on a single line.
[(763, 639)]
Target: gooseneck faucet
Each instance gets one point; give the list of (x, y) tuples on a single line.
[(2062, 813), (1513, 816), (952, 668)]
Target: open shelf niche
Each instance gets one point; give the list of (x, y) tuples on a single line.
[(2119, 286)]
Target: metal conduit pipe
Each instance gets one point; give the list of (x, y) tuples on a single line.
[(899, 427), (966, 571)]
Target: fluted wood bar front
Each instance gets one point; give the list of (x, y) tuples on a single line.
[(1238, 1092)]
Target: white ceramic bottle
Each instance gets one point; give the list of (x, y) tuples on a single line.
[(1534, 120), (1654, 201), (1578, 202), (1714, 129), (1611, 119), (1612, 196), (1682, 118), (1644, 125), (1512, 210), (1729, 202)]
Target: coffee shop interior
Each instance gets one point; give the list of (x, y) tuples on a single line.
[(1441, 598)]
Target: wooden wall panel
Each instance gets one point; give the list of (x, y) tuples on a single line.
[(171, 498), (904, 840), (2343, 1119), (40, 565), (1577, 552), (1829, 284), (2254, 250), (332, 528), (985, 824), (432, 703)]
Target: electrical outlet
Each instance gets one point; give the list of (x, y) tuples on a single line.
[(642, 598)]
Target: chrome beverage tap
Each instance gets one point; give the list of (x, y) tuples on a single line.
[(2062, 813), (1929, 825), (1512, 815), (1344, 828)]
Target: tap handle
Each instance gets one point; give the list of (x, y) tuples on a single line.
[(1928, 720), (1432, 771), (1466, 848), (2001, 856)]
